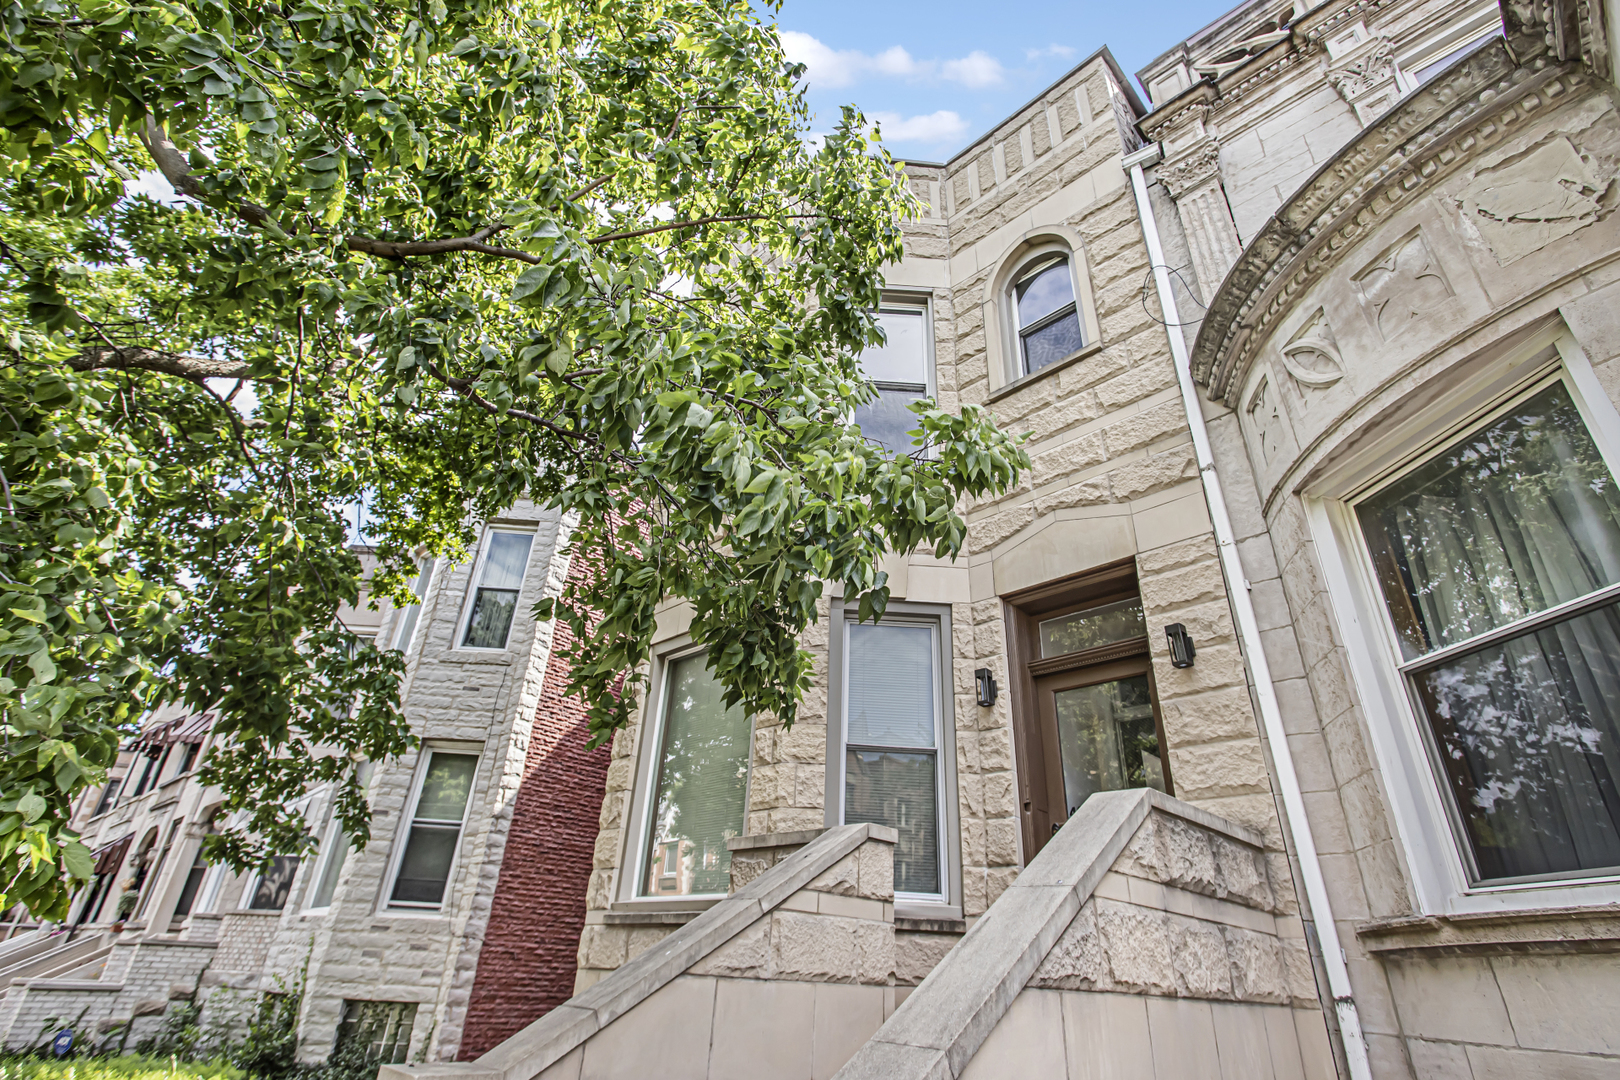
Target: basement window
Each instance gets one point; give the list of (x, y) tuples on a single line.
[(383, 1028)]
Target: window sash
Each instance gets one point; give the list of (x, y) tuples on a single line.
[(661, 856), (420, 837), (897, 747), (491, 580), (1410, 672)]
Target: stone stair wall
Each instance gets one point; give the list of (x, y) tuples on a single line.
[(1144, 941), (787, 976)]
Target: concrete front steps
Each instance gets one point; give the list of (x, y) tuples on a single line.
[(1144, 941)]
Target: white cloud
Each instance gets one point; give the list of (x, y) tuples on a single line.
[(975, 70), (937, 127), (829, 68), (1062, 52)]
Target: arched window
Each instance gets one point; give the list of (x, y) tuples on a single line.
[(1044, 313)]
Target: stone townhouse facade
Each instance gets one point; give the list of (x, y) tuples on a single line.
[(1265, 729), (455, 926)]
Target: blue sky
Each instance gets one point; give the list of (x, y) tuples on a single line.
[(937, 75)]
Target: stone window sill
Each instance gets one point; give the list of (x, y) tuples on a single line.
[(1085, 351), (930, 926), (1549, 930)]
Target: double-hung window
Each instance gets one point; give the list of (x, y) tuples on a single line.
[(901, 370), (893, 741), (438, 813), (499, 577), (1498, 563), (406, 628), (700, 793), (1045, 313)]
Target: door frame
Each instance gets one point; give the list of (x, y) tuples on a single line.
[(1039, 761)]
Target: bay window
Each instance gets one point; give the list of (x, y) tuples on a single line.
[(1497, 560)]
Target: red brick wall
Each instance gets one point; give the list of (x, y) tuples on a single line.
[(530, 952)]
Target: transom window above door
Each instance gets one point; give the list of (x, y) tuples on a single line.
[(1498, 562), (1085, 714)]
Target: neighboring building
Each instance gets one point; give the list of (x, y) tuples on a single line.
[(1376, 674), (456, 925)]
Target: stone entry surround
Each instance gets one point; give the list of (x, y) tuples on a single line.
[(1141, 942)]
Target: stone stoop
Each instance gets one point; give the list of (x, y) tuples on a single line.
[(788, 975), (1145, 940)]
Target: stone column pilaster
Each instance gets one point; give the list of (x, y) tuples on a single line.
[(1194, 181)]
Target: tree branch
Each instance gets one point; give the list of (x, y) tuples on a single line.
[(391, 249), (187, 367), (681, 225)]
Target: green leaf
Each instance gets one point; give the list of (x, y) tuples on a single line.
[(31, 807)]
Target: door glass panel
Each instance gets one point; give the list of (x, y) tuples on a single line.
[(1093, 627), (1109, 739)]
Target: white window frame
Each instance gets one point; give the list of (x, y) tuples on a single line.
[(403, 632), (910, 303), (1026, 266), (473, 579), (1422, 813), (947, 903), (402, 832), (1458, 35), (334, 833), (637, 844)]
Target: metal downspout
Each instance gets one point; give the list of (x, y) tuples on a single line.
[(1237, 588)]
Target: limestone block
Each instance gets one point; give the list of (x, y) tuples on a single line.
[(1077, 961), (603, 946), (1183, 587), (746, 956), (1076, 454), (842, 878), (1092, 492), (915, 955), (814, 948), (1137, 943), (1201, 963), (1093, 369), (1182, 553), (1139, 478), (1215, 716), (1145, 427), (875, 880), (642, 938), (874, 948), (1242, 873), (986, 534), (1258, 969), (1299, 975)]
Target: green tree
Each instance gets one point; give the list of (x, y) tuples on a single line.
[(455, 253)]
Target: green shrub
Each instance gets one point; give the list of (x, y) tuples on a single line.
[(128, 1067)]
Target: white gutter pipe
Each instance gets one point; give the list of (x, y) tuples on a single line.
[(1237, 589)]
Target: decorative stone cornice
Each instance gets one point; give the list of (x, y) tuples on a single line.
[(1398, 159), (1188, 172)]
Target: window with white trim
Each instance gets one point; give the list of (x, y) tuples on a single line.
[(1497, 561), (406, 628), (335, 849), (1046, 317), (699, 797), (892, 736), (271, 884), (901, 370), (438, 814), (499, 582)]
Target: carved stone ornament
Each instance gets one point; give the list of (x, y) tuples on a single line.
[(1521, 206), (1257, 40), (1452, 120), (1312, 355), (1368, 68), (1401, 284), (1186, 173)]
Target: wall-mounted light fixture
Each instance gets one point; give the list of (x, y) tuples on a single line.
[(1181, 645), (985, 684)]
